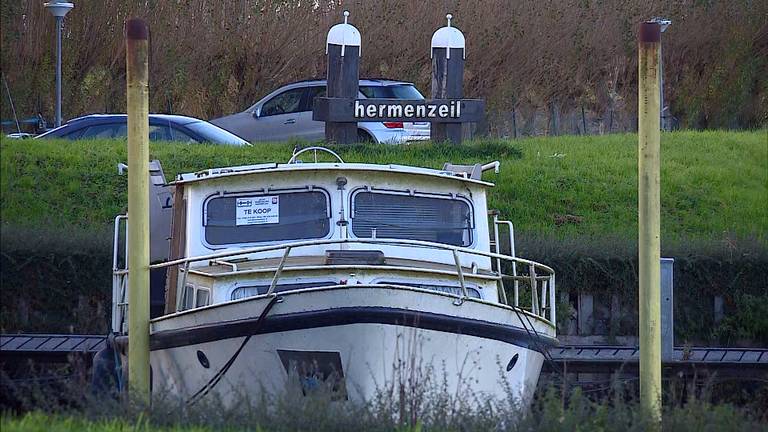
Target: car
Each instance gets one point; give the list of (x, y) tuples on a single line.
[(20, 135), (162, 127), (286, 114)]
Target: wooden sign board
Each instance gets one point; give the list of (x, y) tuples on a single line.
[(344, 110)]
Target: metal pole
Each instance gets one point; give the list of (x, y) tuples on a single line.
[(57, 120), (136, 45), (648, 218)]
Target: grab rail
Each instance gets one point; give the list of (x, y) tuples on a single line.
[(539, 305), (315, 148), (119, 277)]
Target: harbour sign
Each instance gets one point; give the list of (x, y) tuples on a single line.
[(429, 110)]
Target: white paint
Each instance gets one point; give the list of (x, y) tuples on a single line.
[(343, 34), (468, 364), (449, 37)]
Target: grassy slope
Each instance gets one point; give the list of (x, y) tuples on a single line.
[(549, 415), (714, 184)]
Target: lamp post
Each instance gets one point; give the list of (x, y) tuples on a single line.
[(663, 25), (58, 9)]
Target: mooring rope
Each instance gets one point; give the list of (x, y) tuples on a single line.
[(220, 374)]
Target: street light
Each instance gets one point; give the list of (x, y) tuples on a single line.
[(663, 24), (58, 9)]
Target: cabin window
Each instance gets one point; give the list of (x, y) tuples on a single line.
[(202, 297), (188, 302), (254, 290), (449, 289), (193, 297), (269, 217), (429, 218)]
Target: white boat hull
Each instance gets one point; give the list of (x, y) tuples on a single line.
[(381, 337)]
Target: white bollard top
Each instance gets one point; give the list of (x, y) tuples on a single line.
[(343, 34), (449, 37)]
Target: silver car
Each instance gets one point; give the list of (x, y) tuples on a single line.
[(286, 113)]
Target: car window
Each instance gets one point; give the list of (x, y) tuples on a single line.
[(398, 91), (178, 135), (312, 93), (107, 130), (159, 133), (214, 134), (284, 103), (75, 134), (122, 130)]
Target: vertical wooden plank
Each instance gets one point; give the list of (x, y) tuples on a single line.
[(447, 83), (343, 82)]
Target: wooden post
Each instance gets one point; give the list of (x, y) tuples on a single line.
[(448, 53), (343, 52), (137, 75), (649, 219)]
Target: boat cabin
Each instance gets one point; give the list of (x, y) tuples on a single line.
[(240, 232)]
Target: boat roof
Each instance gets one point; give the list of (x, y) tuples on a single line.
[(217, 173)]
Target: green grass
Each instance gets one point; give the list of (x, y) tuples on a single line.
[(714, 184), (550, 414)]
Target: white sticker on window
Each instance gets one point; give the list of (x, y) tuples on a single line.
[(257, 210)]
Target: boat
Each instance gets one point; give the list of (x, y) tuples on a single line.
[(350, 277)]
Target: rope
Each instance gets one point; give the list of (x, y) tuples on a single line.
[(220, 374)]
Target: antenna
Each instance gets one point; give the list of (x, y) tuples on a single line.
[(10, 101)]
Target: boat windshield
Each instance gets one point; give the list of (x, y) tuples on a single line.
[(395, 215), (242, 219)]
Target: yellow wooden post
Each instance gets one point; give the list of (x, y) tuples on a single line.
[(649, 107), (136, 49)]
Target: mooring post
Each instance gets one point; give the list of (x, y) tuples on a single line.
[(448, 54), (137, 75), (648, 219), (342, 49), (667, 309)]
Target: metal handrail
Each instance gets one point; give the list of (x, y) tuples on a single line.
[(119, 277), (315, 148), (533, 279), (401, 242)]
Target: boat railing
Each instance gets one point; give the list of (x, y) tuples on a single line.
[(534, 291), (532, 283), (119, 276)]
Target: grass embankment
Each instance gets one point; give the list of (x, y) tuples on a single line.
[(714, 184), (573, 201), (554, 411)]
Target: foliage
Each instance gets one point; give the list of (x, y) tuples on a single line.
[(713, 183), (572, 200), (529, 56), (553, 411)]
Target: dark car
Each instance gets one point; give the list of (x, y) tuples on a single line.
[(162, 127)]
